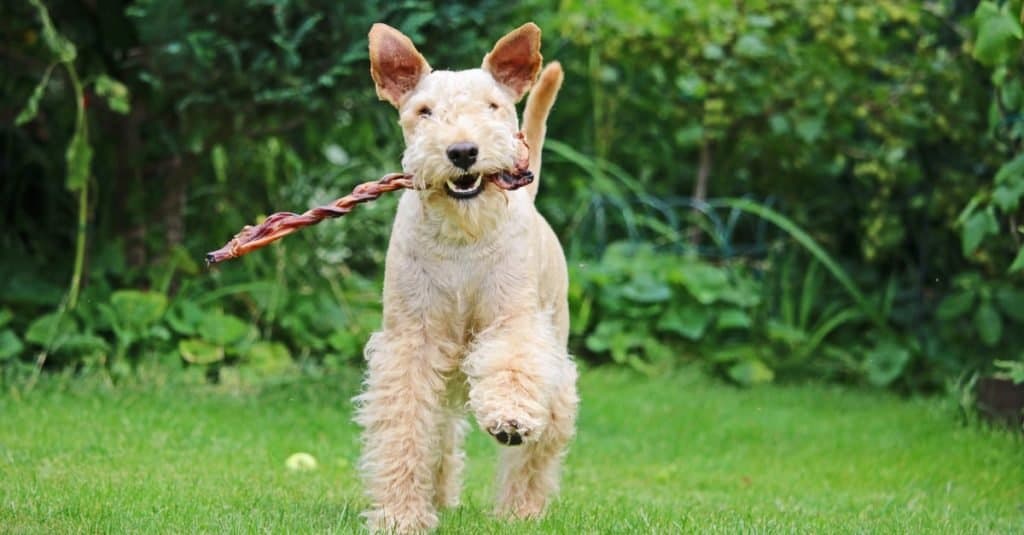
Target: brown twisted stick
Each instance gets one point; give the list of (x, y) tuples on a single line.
[(281, 224)]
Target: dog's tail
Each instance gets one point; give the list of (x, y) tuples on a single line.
[(535, 117)]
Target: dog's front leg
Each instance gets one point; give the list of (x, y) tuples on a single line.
[(510, 376), (522, 391), (401, 412)]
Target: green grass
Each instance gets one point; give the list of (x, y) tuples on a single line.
[(675, 454)]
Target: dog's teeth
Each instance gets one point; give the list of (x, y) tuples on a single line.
[(476, 184)]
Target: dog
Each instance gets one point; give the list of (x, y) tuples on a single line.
[(475, 311)]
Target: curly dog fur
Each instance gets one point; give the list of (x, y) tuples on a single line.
[(475, 310)]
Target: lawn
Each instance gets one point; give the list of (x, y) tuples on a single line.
[(679, 453)]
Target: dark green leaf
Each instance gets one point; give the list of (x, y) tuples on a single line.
[(1011, 301), (705, 282), (999, 34), (31, 108), (1014, 370), (1007, 197), (886, 362), (114, 92), (185, 317), (955, 305), (979, 225), (51, 330), (688, 320), (84, 344), (989, 324), (10, 345), (742, 291), (1018, 263), (1012, 171), (135, 310), (346, 342), (223, 329), (809, 128), (733, 318), (600, 340), (691, 86), (617, 339), (646, 289)]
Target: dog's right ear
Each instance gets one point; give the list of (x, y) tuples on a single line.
[(395, 64)]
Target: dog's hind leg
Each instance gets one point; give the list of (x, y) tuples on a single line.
[(401, 411)]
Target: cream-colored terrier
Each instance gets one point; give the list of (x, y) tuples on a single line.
[(475, 310)]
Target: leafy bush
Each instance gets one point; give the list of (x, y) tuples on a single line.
[(884, 140)]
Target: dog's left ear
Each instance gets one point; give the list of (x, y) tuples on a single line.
[(515, 59)]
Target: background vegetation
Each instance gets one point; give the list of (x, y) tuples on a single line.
[(777, 190)]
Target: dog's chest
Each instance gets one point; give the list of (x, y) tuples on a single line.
[(463, 287)]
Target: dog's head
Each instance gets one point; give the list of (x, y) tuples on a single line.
[(459, 126)]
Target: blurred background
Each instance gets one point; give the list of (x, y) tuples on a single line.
[(773, 191)]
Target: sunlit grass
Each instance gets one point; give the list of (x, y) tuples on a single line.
[(675, 454)]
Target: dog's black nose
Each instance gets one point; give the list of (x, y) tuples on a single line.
[(463, 154)]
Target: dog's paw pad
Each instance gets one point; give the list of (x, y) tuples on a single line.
[(508, 439), (509, 432)]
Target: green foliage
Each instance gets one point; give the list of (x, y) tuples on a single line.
[(999, 33), (882, 143), (808, 243), (650, 309), (788, 97), (1012, 370), (999, 45), (31, 108), (10, 344), (994, 311), (115, 93)]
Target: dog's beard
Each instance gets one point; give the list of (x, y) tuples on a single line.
[(465, 207)]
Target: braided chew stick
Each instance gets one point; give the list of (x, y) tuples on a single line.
[(281, 224)]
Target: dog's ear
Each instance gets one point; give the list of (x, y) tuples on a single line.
[(515, 59), (395, 64)]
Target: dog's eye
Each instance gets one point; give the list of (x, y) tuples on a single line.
[(493, 106), (425, 111)]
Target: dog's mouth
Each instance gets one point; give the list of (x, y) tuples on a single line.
[(465, 186)]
